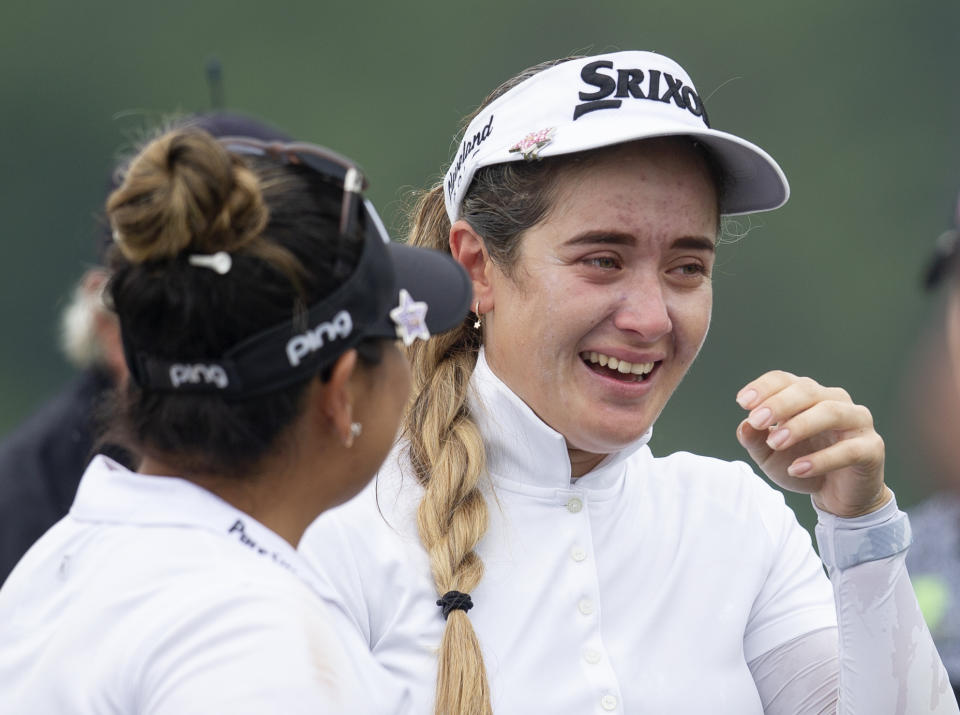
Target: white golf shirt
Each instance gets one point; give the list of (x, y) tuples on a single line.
[(643, 587), (155, 596)]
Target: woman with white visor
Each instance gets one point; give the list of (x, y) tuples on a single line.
[(572, 571)]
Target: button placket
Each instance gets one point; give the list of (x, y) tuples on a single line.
[(597, 669), (585, 606)]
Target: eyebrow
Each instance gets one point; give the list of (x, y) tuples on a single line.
[(696, 243)]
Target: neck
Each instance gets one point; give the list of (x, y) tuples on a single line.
[(582, 462), (283, 493)]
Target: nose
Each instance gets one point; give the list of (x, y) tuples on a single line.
[(643, 310)]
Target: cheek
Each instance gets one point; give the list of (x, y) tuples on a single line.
[(691, 320), (530, 319)]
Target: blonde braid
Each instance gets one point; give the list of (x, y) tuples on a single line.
[(447, 456), (446, 449)]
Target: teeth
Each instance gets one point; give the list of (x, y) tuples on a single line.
[(622, 366)]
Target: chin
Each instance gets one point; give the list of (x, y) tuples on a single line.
[(605, 441)]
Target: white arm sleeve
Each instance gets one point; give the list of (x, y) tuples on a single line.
[(799, 677), (881, 659)]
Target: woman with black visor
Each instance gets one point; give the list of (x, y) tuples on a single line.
[(260, 307)]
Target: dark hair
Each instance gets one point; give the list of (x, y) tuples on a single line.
[(184, 193)]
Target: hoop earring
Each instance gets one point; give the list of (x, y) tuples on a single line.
[(477, 322)]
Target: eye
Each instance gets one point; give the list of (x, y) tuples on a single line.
[(693, 269), (603, 262)]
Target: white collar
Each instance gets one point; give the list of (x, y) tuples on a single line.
[(523, 448), (111, 493)]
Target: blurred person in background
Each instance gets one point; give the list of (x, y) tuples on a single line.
[(42, 460), (260, 303), (522, 550), (934, 558)]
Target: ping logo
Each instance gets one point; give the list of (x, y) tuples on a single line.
[(660, 87), (469, 146), (299, 346), (198, 373)]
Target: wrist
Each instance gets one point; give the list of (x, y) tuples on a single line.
[(844, 542), (884, 496)]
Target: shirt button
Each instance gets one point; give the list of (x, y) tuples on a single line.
[(578, 554), (585, 606), (591, 656), (574, 505), (608, 702)]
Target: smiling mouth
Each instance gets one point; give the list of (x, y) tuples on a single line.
[(618, 369)]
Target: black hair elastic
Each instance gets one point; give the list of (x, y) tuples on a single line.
[(454, 601)]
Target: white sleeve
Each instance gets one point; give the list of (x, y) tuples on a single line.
[(795, 597), (800, 676), (888, 662), (882, 658)]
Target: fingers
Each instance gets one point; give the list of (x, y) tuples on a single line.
[(814, 439), (776, 396), (865, 451), (817, 429), (819, 417), (753, 440)]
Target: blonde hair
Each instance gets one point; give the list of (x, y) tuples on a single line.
[(446, 448), (447, 455), (185, 190)]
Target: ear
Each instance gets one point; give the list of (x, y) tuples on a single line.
[(469, 250), (336, 397)]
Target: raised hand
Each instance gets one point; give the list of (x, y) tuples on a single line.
[(815, 440)]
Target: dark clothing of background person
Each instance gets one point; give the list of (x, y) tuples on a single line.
[(41, 463)]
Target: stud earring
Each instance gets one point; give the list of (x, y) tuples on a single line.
[(476, 310), (356, 429)]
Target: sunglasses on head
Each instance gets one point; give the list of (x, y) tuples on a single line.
[(332, 166)]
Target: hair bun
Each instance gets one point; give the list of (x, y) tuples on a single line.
[(185, 190)]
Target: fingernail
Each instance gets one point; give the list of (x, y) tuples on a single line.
[(745, 398), (760, 418), (777, 438), (798, 469)]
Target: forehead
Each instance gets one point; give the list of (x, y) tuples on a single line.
[(652, 188)]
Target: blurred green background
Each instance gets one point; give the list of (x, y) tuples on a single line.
[(857, 100)]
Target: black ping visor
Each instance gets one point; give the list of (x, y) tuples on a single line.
[(290, 352), (430, 291)]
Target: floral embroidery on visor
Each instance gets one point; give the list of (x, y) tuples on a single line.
[(531, 144)]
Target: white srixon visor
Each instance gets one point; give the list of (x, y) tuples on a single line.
[(608, 99)]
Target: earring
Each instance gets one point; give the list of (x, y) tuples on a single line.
[(476, 310), (356, 429)]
